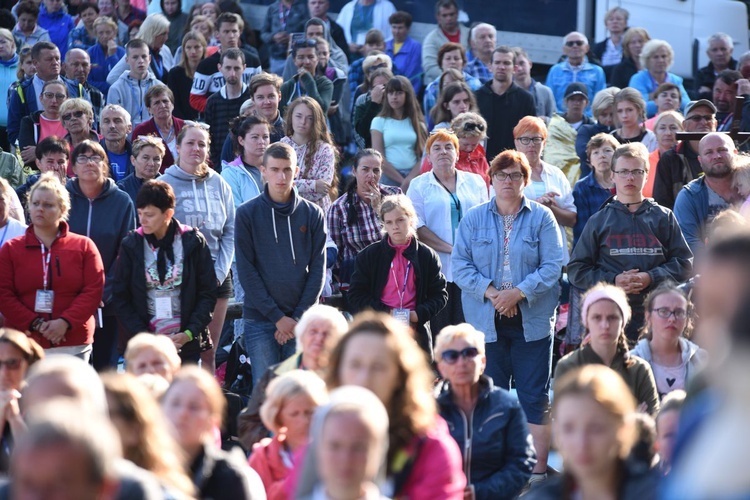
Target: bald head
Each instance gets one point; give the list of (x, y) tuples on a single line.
[(77, 65), (716, 153)]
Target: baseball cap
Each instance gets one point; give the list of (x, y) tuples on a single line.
[(576, 88), (698, 103)]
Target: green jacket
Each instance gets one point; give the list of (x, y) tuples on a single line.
[(11, 169)]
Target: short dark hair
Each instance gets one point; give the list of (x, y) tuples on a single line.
[(504, 49), (279, 151), (155, 193), (232, 54), (445, 4), (374, 37), (52, 144), (89, 5), (229, 18), (729, 76), (89, 146), (401, 17), (135, 43), (264, 78), (157, 90), (38, 47), (27, 7), (7, 20)]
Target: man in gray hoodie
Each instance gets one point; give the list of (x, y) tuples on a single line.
[(130, 89), (280, 248)]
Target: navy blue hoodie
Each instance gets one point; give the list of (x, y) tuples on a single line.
[(106, 219), (280, 253)]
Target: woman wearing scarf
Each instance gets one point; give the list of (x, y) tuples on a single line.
[(165, 281)]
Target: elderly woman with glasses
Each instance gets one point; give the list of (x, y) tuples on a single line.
[(486, 421), (631, 242), (507, 260), (43, 123), (441, 198), (548, 184), (104, 213)]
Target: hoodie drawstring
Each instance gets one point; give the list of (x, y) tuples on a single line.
[(276, 235)]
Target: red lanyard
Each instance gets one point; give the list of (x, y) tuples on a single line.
[(45, 265)]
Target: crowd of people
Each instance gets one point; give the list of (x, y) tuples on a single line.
[(464, 269)]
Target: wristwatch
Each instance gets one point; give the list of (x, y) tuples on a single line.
[(523, 295)]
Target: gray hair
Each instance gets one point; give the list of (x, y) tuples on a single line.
[(743, 59), (603, 100), (119, 109), (321, 312), (652, 46), (153, 26), (721, 37), (481, 25)]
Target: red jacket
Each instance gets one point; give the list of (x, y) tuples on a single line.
[(76, 275), (267, 462), (149, 128)]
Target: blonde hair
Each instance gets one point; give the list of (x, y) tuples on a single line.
[(155, 451), (4, 33), (635, 150), (153, 26), (667, 114), (459, 123), (204, 382), (106, 21), (50, 182), (321, 312), (465, 331), (633, 96), (285, 387), (148, 341), (147, 140), (78, 104), (607, 388), (741, 170), (652, 46), (402, 202)]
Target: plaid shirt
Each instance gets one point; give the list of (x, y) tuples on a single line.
[(350, 240), (478, 69)]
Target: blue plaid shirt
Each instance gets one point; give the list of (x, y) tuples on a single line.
[(478, 69)]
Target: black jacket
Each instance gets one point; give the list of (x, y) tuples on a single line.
[(676, 168), (622, 73), (197, 292), (28, 134), (705, 77), (371, 275), (503, 112), (219, 474)]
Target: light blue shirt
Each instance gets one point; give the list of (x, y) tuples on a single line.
[(535, 263)]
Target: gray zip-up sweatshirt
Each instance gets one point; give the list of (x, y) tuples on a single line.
[(280, 256), (214, 220), (130, 94)]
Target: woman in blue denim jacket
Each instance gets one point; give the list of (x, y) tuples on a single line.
[(507, 260), (487, 422)]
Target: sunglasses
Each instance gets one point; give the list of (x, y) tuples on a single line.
[(575, 43), (201, 125), (74, 114), (303, 44), (700, 118), (471, 126), (52, 95), (451, 355)]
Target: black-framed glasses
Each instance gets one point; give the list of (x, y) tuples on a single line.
[(451, 355), (52, 95), (624, 174), (665, 313), (191, 123), (575, 43), (528, 140), (83, 159), (11, 364), (73, 114), (471, 126), (502, 176)]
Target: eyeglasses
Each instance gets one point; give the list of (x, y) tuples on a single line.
[(191, 123), (68, 116), (665, 313), (52, 95), (471, 126), (575, 43), (502, 176), (11, 364), (528, 140), (700, 118), (624, 174), (83, 159), (451, 355)]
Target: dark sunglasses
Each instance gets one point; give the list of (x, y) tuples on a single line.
[(68, 116), (303, 44), (575, 43), (451, 355), (470, 126)]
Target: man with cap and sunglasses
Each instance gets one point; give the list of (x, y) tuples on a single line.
[(575, 68), (681, 165)]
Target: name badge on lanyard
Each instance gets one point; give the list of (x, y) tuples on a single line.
[(399, 313), (44, 298)]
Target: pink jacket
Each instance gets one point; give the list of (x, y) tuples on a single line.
[(267, 462)]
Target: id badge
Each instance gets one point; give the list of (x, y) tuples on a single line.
[(401, 315), (44, 301), (163, 307)]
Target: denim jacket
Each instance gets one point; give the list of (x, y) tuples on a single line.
[(535, 262), (494, 439)]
